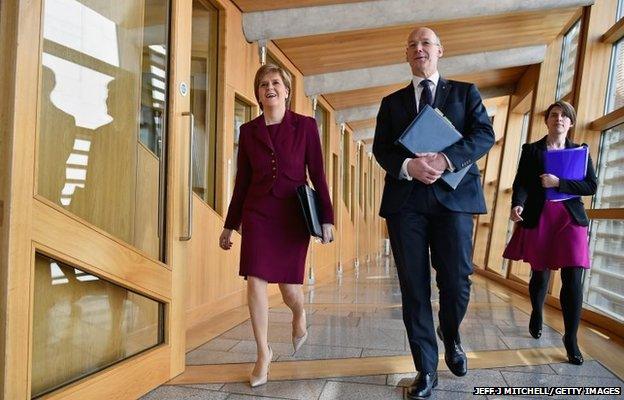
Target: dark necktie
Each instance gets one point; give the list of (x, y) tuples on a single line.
[(425, 96)]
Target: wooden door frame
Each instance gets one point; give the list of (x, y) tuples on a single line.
[(21, 236)]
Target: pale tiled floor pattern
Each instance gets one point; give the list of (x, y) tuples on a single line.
[(372, 326)]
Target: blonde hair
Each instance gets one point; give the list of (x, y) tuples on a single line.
[(269, 69)]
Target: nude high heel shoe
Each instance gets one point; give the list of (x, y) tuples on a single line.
[(255, 381), (299, 341)]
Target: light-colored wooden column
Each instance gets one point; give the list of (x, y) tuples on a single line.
[(20, 20), (545, 90), (484, 231), (520, 103), (8, 31), (179, 142)]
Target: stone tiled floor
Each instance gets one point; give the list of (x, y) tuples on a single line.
[(369, 323)]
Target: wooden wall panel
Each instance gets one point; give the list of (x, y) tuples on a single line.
[(96, 253), (500, 220), (520, 103), (484, 231), (145, 371)]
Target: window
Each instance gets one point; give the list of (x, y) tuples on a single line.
[(620, 10), (242, 114), (352, 205), (567, 66), (320, 115), (615, 98), (102, 108), (83, 323), (605, 281), (344, 153), (365, 195), (610, 193), (204, 49), (361, 174)]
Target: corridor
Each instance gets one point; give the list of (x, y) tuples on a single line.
[(357, 348)]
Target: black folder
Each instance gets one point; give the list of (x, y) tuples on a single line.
[(310, 208), (429, 132)]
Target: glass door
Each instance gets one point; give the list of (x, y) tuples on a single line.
[(95, 256)]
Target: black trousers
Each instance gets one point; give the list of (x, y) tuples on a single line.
[(422, 227), (570, 296)]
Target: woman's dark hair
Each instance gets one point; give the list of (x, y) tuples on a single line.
[(566, 107)]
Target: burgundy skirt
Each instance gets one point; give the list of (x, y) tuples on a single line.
[(556, 242), (274, 240)]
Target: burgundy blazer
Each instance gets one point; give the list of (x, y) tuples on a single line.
[(278, 168)]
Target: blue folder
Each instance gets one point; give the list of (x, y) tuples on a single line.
[(565, 164), (429, 132)]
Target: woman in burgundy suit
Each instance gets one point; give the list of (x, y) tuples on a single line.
[(552, 234), (275, 150)]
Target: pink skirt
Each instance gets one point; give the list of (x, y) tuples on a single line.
[(556, 242)]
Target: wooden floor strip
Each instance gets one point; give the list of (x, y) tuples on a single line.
[(316, 369)]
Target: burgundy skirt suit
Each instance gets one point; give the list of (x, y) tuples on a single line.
[(272, 163)]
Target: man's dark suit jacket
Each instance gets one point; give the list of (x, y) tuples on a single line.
[(461, 103), (529, 193)]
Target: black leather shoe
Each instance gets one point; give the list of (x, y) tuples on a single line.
[(574, 354), (454, 356), (422, 386), (535, 325)]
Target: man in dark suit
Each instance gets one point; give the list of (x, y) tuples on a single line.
[(423, 214)]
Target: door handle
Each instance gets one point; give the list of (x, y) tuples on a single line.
[(189, 233)]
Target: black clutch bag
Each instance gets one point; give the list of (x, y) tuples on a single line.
[(310, 209)]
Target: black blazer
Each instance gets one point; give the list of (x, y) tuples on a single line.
[(529, 193), (461, 104)]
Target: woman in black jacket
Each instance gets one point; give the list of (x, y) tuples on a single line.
[(552, 234)]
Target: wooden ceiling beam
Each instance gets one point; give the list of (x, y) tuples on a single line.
[(296, 22), (265, 5), (398, 73), (385, 46), (484, 80)]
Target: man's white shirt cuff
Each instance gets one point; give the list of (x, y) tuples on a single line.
[(404, 174)]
